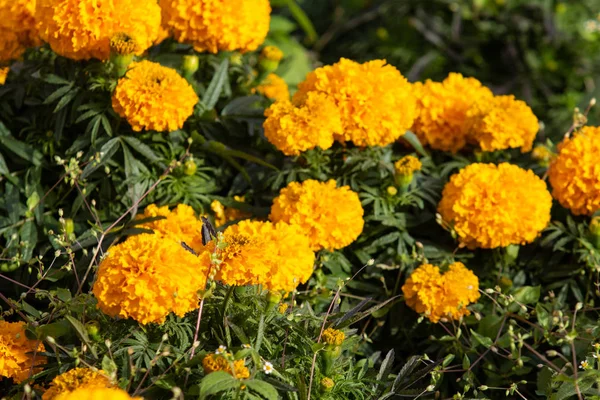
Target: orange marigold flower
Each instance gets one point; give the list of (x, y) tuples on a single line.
[(274, 88), (505, 123), (278, 257), (493, 206), (437, 295), (74, 379), (180, 224), (153, 97), (17, 28), (295, 129), (333, 337), (445, 111), (331, 217), (218, 362), (575, 173), (123, 44), (16, 352), (214, 25), (407, 165), (271, 53), (95, 393), (82, 29), (376, 102), (224, 214), (3, 74), (148, 276)]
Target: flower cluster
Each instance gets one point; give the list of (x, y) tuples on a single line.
[(214, 25), (77, 378), (148, 276), (224, 362), (95, 393), (331, 217), (17, 28), (278, 257), (575, 173), (274, 88), (154, 97), (444, 120), (15, 360), (369, 104), (179, 224), (492, 206), (438, 295), (81, 30)]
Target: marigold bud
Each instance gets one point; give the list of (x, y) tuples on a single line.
[(270, 58), (327, 384)]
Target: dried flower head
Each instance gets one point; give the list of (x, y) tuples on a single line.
[(376, 102), (294, 129), (82, 29), (274, 88), (445, 111), (493, 206), (16, 358), (222, 362), (180, 224), (575, 173), (331, 217), (437, 295), (148, 276), (74, 379), (153, 97), (217, 25)]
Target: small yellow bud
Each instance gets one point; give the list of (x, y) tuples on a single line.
[(392, 191)]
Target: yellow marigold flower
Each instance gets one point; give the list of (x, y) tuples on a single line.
[(74, 379), (493, 206), (17, 28), (82, 29), (181, 224), (278, 257), (153, 97), (575, 173), (274, 88), (505, 123), (542, 154), (331, 217), (16, 352), (217, 362), (446, 108), (3, 74), (214, 25), (224, 214), (123, 44), (376, 102), (295, 129), (407, 165), (148, 276), (438, 296), (271, 53), (95, 393), (333, 337)]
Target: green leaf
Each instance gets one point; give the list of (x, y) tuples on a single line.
[(216, 382), (264, 389), (107, 151), (28, 235), (142, 148), (58, 93), (482, 340), (82, 333), (63, 294), (22, 150), (55, 329), (109, 366), (543, 316), (260, 333), (386, 366), (213, 92), (303, 20), (414, 141), (527, 294)]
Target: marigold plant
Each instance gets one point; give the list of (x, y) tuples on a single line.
[(93, 393), (505, 123), (17, 28), (217, 25), (493, 206), (294, 129), (148, 276), (76, 378), (218, 362), (81, 30), (16, 352), (331, 217), (274, 88), (376, 102), (180, 224), (575, 172), (153, 97), (446, 111), (438, 295)]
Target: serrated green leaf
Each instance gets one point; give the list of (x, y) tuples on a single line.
[(217, 382), (213, 92), (264, 389)]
